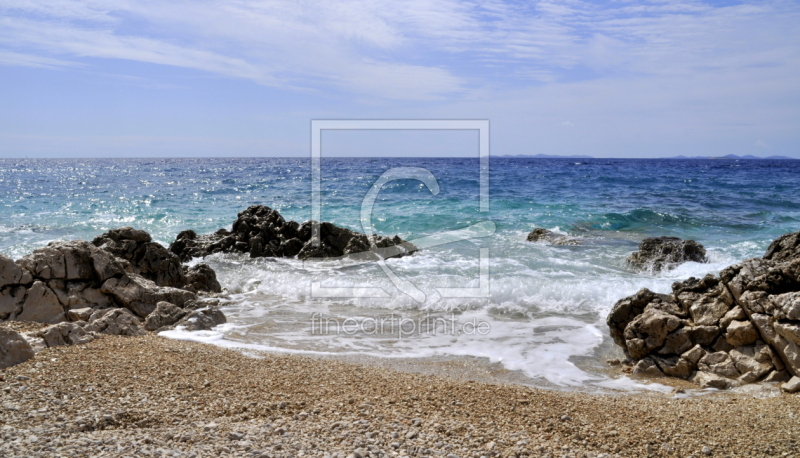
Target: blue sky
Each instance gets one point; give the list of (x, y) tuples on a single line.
[(244, 78)]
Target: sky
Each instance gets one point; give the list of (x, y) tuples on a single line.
[(148, 78)]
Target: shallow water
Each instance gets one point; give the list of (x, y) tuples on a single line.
[(544, 315)]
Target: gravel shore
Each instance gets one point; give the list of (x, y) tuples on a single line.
[(150, 396)]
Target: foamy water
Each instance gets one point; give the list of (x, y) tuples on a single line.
[(544, 314)]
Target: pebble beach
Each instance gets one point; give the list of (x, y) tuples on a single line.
[(151, 396)]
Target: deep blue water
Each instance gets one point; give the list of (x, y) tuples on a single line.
[(734, 207)]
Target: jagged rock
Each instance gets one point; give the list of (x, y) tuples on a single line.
[(202, 278), (64, 334), (12, 274), (735, 313), (719, 363), (740, 327), (202, 319), (741, 333), (87, 295), (141, 295), (117, 322), (147, 258), (165, 314), (784, 248), (792, 386), (694, 354), (648, 332), (262, 232), (14, 349), (752, 362), (546, 236), (41, 305), (663, 253), (625, 310), (674, 366)]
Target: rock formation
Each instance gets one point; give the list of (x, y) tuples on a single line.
[(547, 236), (262, 232), (109, 286), (720, 331), (664, 253)]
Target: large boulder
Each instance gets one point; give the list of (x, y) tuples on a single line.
[(147, 258), (262, 232), (14, 349), (664, 253)]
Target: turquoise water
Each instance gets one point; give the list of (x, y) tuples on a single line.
[(546, 305)]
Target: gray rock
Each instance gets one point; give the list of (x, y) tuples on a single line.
[(674, 366), (787, 306), (545, 236), (11, 273), (14, 349), (41, 305), (140, 295), (625, 310), (784, 248), (777, 377), (786, 349), (147, 258), (11, 300), (703, 335), (202, 278), (165, 314), (45, 263), (263, 232), (719, 363), (65, 334), (736, 313), (664, 253), (694, 354), (741, 333), (80, 314), (789, 331), (202, 319), (792, 386), (752, 361), (647, 366), (118, 322), (648, 332), (677, 342), (709, 380)]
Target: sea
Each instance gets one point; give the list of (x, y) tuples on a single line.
[(476, 291)]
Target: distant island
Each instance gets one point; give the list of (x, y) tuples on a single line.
[(729, 156)]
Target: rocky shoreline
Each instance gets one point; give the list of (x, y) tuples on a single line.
[(739, 327), (123, 283)]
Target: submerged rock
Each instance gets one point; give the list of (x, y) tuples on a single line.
[(664, 253), (740, 327), (546, 236), (263, 232)]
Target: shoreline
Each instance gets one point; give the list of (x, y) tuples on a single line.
[(153, 394)]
